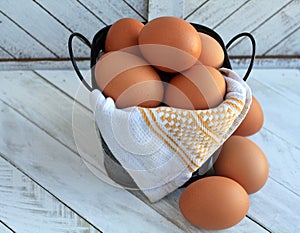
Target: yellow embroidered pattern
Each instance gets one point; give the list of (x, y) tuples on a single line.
[(193, 135)]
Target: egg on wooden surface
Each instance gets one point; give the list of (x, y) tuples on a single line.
[(214, 203), (200, 87), (253, 121), (128, 80), (243, 161), (123, 33), (212, 53), (170, 44)]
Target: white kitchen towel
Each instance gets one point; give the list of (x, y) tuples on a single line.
[(161, 147)]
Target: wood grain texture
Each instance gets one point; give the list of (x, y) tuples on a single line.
[(283, 210), (158, 8), (42, 64), (4, 229), (56, 123), (266, 63), (289, 45), (214, 12), (248, 17), (5, 55), (140, 6), (111, 10), (288, 117), (27, 207), (68, 82), (64, 174), (74, 16), (285, 22), (42, 26), (190, 6), (11, 37)]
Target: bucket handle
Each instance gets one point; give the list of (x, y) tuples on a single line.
[(70, 46), (86, 42), (250, 36)]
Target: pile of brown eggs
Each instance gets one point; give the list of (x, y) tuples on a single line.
[(160, 63), (166, 62)]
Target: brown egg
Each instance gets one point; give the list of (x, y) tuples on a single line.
[(243, 161), (214, 203), (212, 53), (123, 33), (169, 43), (200, 87), (253, 121), (129, 80)]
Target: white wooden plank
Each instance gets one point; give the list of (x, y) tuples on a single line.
[(191, 6), (281, 81), (27, 207), (248, 17), (274, 30), (267, 63), (276, 206), (289, 46), (281, 114), (68, 82), (77, 18), (64, 174), (214, 12), (283, 159), (280, 107), (5, 55), (111, 10), (4, 229), (18, 43), (158, 8), (42, 26), (57, 123), (42, 64), (141, 6), (171, 213)]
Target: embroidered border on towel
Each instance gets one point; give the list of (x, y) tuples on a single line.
[(144, 115)]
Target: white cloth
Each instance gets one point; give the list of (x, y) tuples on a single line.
[(161, 147)]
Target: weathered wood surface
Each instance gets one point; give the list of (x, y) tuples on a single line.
[(237, 63), (276, 30), (27, 207), (5, 229), (44, 26), (165, 8), (105, 206), (37, 137), (10, 40), (4, 54)]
